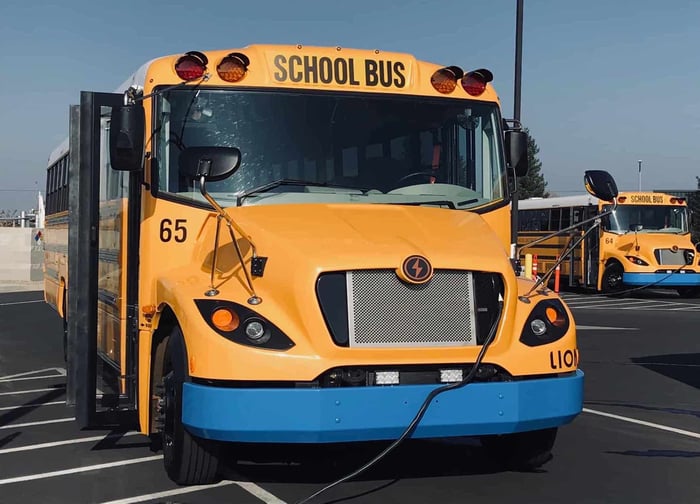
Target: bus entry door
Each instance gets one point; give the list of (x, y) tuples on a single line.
[(591, 251), (102, 287)]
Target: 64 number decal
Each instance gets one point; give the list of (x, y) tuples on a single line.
[(170, 230)]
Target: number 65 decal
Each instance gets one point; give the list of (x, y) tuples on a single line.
[(178, 232)]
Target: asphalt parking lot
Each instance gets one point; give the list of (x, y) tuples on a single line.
[(636, 441)]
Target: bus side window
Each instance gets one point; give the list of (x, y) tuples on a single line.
[(565, 218), (554, 219)]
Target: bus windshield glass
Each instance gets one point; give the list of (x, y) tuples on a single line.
[(300, 147), (648, 219)]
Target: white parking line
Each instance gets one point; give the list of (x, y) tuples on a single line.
[(32, 424), (645, 423), (41, 446), (33, 391), (35, 405), (32, 378), (248, 486), (76, 470), (259, 492), (25, 375), (169, 493), (22, 302)]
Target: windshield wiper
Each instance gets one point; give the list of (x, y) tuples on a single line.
[(448, 203), (288, 182)]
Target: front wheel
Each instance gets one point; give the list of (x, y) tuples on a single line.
[(522, 451), (188, 459), (612, 278)]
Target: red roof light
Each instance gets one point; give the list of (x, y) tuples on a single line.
[(191, 66), (474, 83)]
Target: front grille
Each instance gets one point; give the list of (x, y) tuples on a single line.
[(457, 308), (678, 257), (383, 311)]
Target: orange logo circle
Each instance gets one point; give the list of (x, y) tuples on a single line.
[(416, 269)]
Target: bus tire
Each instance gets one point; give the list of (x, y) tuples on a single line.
[(521, 451), (612, 278), (188, 459)]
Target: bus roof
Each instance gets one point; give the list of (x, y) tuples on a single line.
[(313, 67), (558, 201), (625, 197)]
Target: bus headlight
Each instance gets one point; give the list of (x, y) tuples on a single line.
[(548, 322), (242, 325), (538, 326), (636, 260)]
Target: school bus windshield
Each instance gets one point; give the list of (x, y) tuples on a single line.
[(302, 147), (648, 218)]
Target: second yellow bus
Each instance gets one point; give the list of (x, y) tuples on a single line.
[(645, 241)]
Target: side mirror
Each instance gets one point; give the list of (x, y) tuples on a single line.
[(126, 137), (600, 184), (697, 246), (213, 163), (516, 151)]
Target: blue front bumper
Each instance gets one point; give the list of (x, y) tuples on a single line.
[(662, 279), (289, 415)]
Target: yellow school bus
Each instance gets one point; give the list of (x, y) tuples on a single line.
[(645, 241), (288, 244)]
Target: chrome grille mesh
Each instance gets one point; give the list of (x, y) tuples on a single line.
[(383, 311), (671, 258)]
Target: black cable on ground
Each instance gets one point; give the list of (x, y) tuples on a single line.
[(417, 418)]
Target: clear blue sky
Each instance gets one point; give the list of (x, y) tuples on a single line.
[(604, 83)]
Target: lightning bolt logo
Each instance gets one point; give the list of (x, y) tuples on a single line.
[(416, 269)]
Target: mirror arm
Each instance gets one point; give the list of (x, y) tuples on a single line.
[(213, 291), (135, 93), (254, 299)]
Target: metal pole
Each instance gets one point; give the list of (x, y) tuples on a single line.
[(640, 174), (518, 59), (516, 116)]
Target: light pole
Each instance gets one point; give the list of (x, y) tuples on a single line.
[(516, 116), (640, 174)]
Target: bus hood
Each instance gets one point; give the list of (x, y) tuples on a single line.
[(328, 237), (627, 243)]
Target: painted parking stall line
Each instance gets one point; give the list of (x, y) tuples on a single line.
[(31, 391), (44, 374), (77, 470), (22, 302), (248, 486), (54, 444), (34, 424), (31, 405), (636, 421)]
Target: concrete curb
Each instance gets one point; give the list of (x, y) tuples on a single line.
[(19, 286)]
